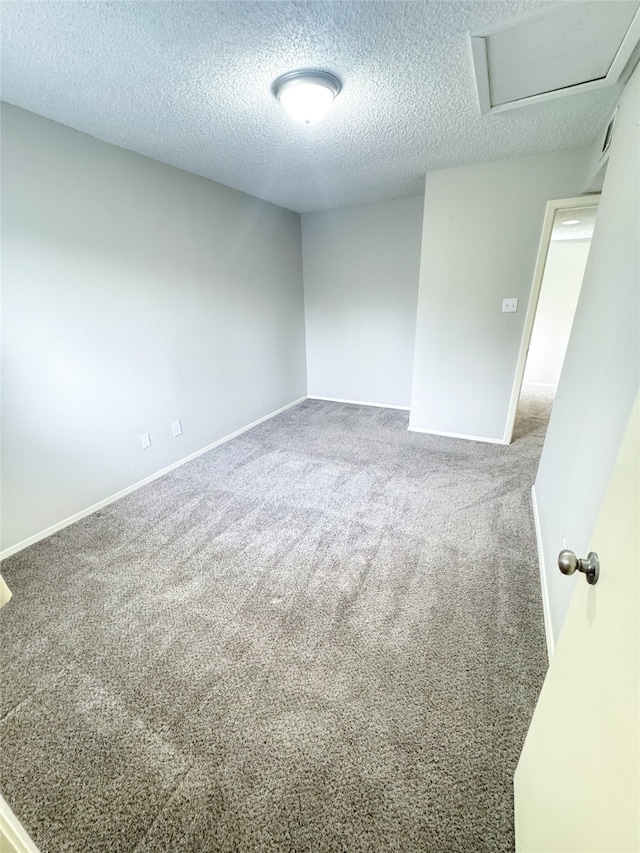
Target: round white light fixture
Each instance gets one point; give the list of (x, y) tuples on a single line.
[(571, 221), (306, 95)]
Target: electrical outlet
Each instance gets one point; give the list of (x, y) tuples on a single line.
[(176, 428), (509, 306), (146, 440)]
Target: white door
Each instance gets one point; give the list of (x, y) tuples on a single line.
[(577, 783)]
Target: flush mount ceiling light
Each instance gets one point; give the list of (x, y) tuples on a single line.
[(306, 95)]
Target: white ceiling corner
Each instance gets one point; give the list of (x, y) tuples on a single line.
[(189, 84)]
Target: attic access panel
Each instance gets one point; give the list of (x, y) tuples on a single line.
[(561, 49)]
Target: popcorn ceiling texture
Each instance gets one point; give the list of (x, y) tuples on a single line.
[(323, 636), (189, 84), (582, 231)]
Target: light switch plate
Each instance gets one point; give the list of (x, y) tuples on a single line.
[(509, 306), (146, 440), (176, 428)]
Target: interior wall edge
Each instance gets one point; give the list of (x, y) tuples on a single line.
[(544, 590), (483, 438), (361, 403), (78, 516), (360, 270)]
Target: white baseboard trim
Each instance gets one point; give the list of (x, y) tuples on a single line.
[(553, 385), (49, 531), (458, 435), (14, 838), (546, 604), (359, 403)]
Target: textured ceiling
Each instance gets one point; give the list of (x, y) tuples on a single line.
[(188, 83), (582, 230)]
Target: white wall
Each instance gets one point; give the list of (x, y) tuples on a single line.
[(361, 268), (134, 294), (561, 282), (481, 231), (601, 371)]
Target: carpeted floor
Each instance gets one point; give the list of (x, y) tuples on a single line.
[(325, 635)]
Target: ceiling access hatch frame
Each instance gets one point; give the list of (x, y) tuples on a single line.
[(480, 51)]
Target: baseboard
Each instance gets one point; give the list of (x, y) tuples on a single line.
[(553, 385), (360, 403), (13, 836), (49, 531), (546, 604), (458, 435)]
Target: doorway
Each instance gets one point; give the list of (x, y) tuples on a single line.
[(562, 259)]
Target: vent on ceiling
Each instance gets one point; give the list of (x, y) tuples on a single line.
[(561, 49)]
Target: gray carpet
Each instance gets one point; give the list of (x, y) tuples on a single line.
[(325, 635)]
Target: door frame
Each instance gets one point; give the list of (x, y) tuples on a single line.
[(553, 206), (14, 838)]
